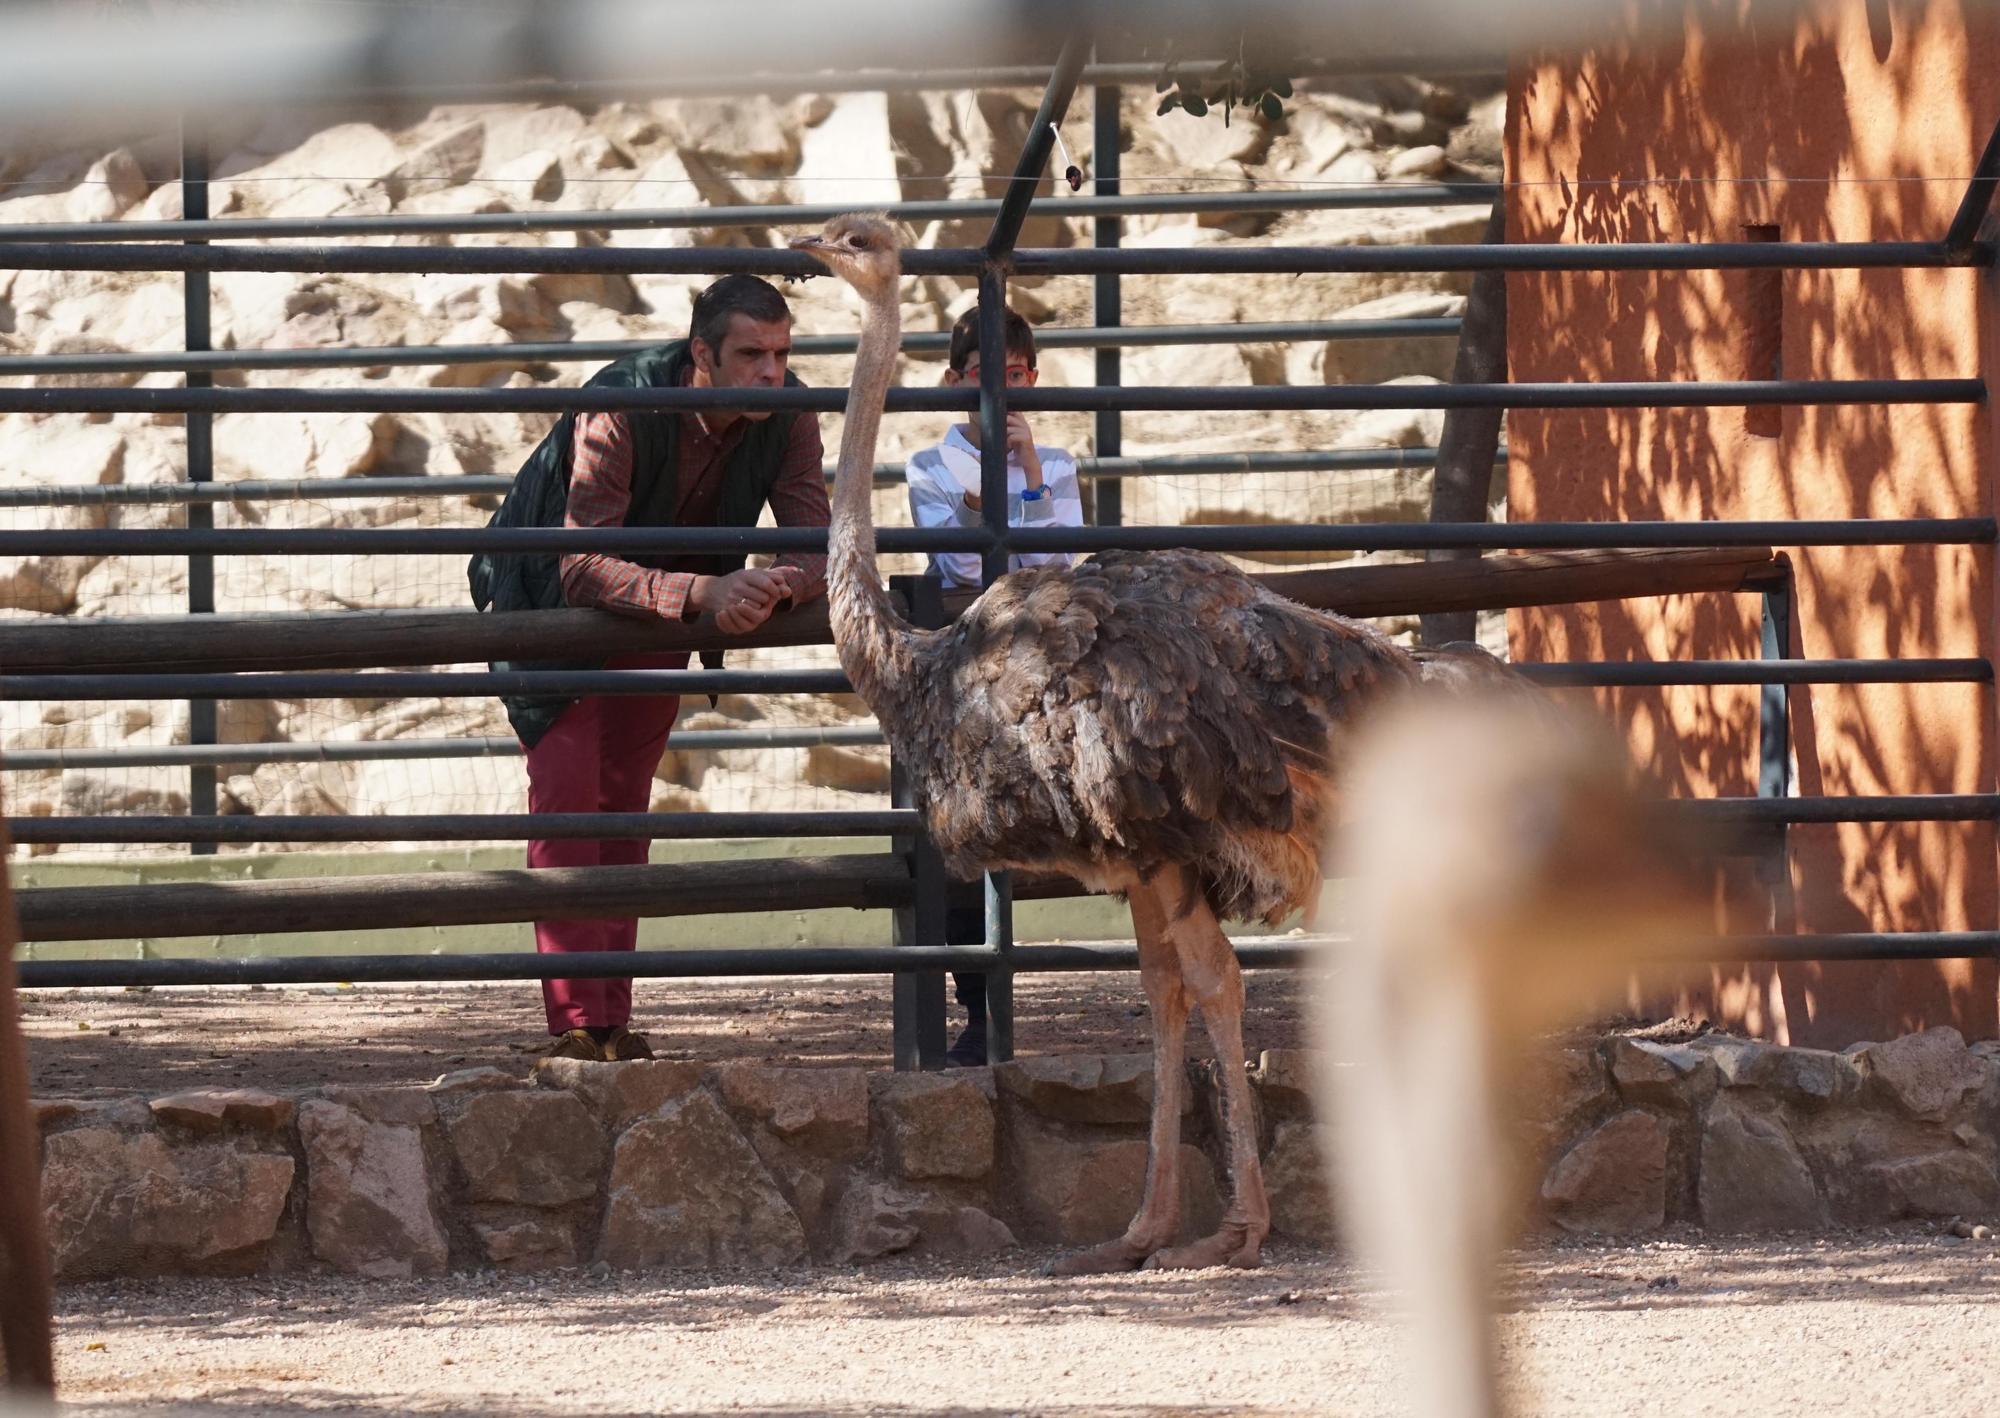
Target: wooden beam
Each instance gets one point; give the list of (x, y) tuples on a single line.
[(26, 1365), (860, 881), (375, 639)]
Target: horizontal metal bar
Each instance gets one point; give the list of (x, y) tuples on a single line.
[(44, 760), (1910, 807), (420, 684), (1719, 672), (1374, 536), (392, 684), (1167, 465), (857, 960), (580, 351), (461, 827), (767, 215), (886, 80), (1029, 261), (1581, 394)]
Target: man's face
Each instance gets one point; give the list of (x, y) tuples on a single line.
[(754, 355)]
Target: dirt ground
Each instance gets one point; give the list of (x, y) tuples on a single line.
[(102, 1042), (1876, 1324)]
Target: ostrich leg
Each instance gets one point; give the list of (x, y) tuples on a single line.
[(1158, 1220), (1212, 976)]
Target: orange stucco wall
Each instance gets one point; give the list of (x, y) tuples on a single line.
[(1829, 129)]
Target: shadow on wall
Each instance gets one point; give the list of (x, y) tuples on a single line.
[(1730, 134)]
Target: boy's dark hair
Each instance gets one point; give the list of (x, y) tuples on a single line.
[(965, 338), (734, 295)]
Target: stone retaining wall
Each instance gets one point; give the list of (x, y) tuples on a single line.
[(687, 1165)]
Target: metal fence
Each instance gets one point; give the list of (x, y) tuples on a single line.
[(909, 879)]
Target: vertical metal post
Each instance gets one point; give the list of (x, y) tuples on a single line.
[(1107, 303), (200, 461), (993, 418), (918, 1006), (1000, 978), (1774, 765)]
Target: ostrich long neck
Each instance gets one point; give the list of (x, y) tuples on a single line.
[(876, 645)]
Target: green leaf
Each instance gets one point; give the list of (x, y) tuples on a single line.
[(1196, 105), (1273, 110), (1167, 105), (1283, 88)]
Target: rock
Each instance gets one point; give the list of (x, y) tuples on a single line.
[(120, 1203), (850, 770), (824, 1110), (1400, 428), (1752, 1177), (851, 144), (617, 1093), (509, 302), (686, 1189), (471, 1080), (368, 1195), (531, 1149), (1354, 169), (410, 1107), (1667, 1075), (1805, 1076), (1427, 161), (1085, 1088), (211, 1110), (45, 1113), (1286, 1081), (513, 133), (1937, 1184), (1565, 1084), (450, 157), (934, 1125), (1927, 1074), (1737, 1061), (1614, 1180), (536, 176), (114, 184), (525, 1240), (745, 134), (1079, 1192), (1377, 361), (1295, 1176), (874, 1219)]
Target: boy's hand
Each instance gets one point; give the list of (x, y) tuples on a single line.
[(742, 600), (1021, 443)]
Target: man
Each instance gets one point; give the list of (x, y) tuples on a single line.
[(713, 468)]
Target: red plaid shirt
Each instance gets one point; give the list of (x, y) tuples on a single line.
[(600, 494)]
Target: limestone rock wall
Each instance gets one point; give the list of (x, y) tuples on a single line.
[(679, 1165), (861, 149)]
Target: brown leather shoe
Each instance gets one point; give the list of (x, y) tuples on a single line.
[(624, 1045), (576, 1044)]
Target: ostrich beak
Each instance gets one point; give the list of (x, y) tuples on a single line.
[(811, 242)]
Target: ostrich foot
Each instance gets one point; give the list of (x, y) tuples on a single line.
[(1112, 1256), (1233, 1246)]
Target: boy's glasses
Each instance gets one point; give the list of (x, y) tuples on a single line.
[(1019, 376)]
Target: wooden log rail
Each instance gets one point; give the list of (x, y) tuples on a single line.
[(375, 639)]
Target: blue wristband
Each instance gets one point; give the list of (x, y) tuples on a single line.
[(1034, 494)]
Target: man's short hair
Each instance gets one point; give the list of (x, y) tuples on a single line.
[(732, 296), (965, 338)]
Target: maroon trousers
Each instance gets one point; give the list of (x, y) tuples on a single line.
[(598, 757)]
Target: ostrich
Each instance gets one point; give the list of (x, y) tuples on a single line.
[(25, 1364), (1154, 725), (1504, 877)]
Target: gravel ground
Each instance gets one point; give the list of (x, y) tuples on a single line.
[(1876, 1323), (107, 1042)]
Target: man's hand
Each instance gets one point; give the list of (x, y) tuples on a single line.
[(742, 600)]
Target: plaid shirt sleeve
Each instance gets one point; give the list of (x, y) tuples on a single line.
[(798, 499), (600, 494)]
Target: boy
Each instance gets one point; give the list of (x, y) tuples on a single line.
[(944, 492)]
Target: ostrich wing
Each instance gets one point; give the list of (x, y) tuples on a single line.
[(1140, 709)]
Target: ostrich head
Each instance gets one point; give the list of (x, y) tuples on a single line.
[(861, 248)]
